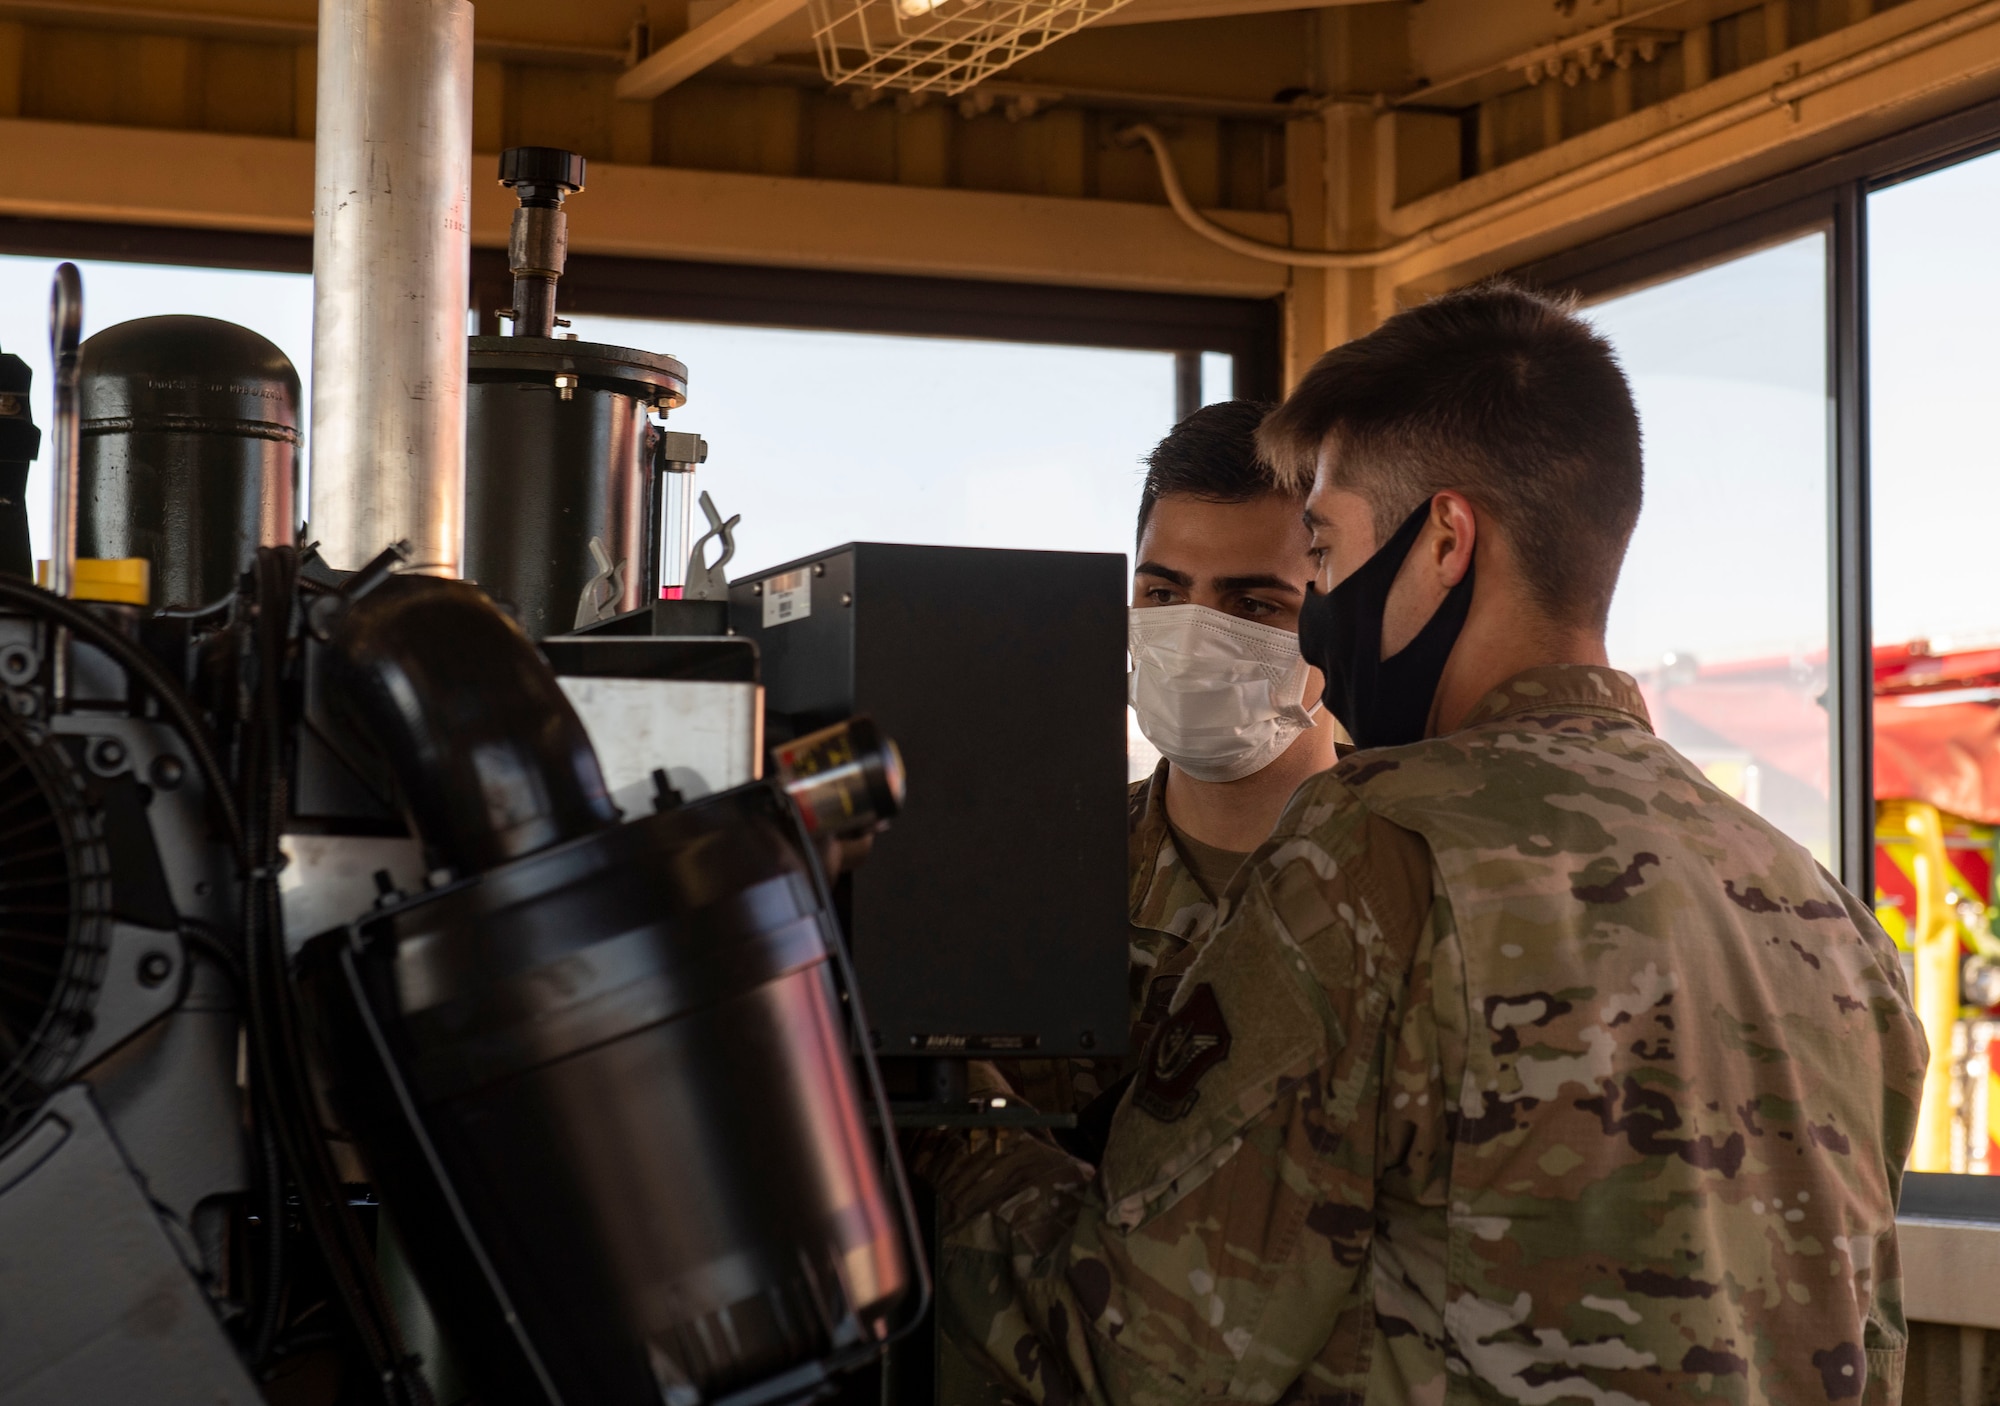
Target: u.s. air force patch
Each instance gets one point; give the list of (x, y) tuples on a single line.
[(1189, 1043)]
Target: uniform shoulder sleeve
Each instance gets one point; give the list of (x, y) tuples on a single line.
[(1301, 965)]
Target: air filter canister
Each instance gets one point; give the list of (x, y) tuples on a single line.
[(610, 1092)]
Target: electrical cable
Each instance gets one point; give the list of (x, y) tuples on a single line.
[(202, 939), (1787, 94), (276, 1038), (1170, 179), (281, 1095), (181, 713), (864, 1055), (172, 699)]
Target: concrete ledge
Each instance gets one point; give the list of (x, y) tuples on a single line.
[(1951, 1271)]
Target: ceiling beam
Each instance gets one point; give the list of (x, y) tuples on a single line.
[(208, 180), (711, 41), (1155, 11)]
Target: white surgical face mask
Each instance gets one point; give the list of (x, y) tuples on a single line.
[(1218, 695)]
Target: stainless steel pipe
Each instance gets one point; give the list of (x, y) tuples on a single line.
[(391, 221)]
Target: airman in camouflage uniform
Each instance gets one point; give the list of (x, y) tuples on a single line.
[(1523, 1064), (1427, 1122), (1218, 537)]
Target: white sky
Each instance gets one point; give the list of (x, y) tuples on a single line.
[(820, 438), (816, 438), (1934, 307), (278, 305), (1728, 366)]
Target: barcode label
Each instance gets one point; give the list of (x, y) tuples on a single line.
[(788, 597)]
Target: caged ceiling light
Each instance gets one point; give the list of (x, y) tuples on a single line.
[(938, 46)]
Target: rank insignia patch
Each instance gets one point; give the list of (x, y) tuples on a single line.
[(1160, 998), (1192, 1041)]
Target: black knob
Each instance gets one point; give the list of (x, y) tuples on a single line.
[(541, 174)]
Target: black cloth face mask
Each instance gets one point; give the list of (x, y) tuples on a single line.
[(1381, 702)]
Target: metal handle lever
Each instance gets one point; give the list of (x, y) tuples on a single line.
[(65, 332)]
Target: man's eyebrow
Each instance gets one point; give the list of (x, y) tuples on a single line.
[(1165, 573), (1256, 583)]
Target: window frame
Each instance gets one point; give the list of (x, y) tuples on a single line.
[(1830, 195), (1250, 330)]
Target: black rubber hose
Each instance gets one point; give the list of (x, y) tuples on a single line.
[(492, 760), (276, 1034), (263, 1327), (173, 700)]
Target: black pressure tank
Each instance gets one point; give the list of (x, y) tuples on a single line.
[(188, 451), (558, 452), (561, 517), (20, 442)]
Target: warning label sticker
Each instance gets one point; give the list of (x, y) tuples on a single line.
[(788, 597)]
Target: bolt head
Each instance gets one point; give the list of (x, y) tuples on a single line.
[(155, 968)]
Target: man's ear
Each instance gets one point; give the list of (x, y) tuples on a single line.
[(1455, 533)]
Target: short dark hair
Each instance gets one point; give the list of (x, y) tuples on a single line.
[(1497, 392), (1212, 455)]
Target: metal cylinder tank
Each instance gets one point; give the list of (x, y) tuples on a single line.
[(559, 448), (392, 174), (188, 453)]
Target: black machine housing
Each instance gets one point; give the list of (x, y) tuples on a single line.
[(990, 923), (603, 1069)]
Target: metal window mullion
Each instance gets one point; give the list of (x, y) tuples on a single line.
[(1851, 672)]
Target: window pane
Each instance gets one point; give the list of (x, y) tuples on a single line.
[(277, 305), (1934, 296), (820, 438), (1218, 377), (1722, 608)]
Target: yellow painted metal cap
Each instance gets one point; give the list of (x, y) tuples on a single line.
[(123, 580)]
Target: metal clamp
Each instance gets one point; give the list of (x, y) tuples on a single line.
[(602, 592), (706, 582)]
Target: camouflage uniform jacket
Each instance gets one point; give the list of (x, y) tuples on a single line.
[(1525, 1066), (1171, 920)]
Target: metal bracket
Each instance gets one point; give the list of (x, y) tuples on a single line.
[(602, 592), (706, 582)]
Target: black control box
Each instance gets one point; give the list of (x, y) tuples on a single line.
[(991, 919)]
